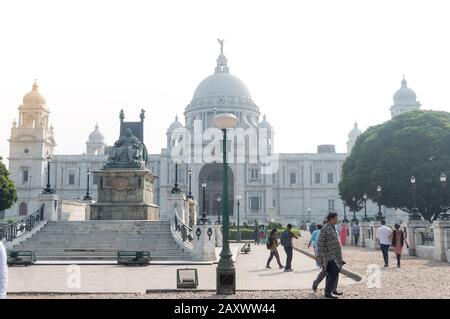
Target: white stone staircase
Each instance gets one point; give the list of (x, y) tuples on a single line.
[(102, 239)]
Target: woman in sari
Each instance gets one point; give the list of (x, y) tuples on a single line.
[(343, 234)]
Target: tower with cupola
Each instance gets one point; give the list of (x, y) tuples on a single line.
[(31, 144)]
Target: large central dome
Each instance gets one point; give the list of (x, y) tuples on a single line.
[(221, 84), (221, 92)]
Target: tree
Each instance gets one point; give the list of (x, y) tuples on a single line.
[(8, 194), (415, 144)]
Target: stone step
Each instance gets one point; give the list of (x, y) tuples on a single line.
[(100, 240), (107, 258), (104, 253), (111, 247)]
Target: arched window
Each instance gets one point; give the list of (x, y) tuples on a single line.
[(23, 209)]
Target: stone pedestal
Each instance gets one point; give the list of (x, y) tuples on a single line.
[(411, 225), (124, 194), (441, 242), (363, 227), (204, 243), (87, 212), (373, 242), (219, 235), (50, 202)]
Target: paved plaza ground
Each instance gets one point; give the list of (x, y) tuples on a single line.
[(417, 278), (251, 274)]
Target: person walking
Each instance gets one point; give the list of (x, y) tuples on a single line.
[(286, 242), (262, 235), (314, 239), (338, 229), (256, 234), (272, 244), (355, 232), (329, 255), (343, 234), (398, 241), (384, 234), (3, 271)]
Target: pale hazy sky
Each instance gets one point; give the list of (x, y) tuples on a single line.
[(313, 67)]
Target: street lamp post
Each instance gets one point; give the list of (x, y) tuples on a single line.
[(365, 207), (444, 215), (219, 199), (309, 215), (345, 213), (87, 196), (176, 189), (415, 212), (48, 189), (204, 219), (226, 272), (190, 185), (354, 219), (238, 234), (380, 213)]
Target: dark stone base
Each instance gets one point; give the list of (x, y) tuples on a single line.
[(125, 211), (124, 195)]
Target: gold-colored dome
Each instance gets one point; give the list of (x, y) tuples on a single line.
[(34, 98)]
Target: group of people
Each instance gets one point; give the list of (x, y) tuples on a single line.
[(395, 238), (260, 235), (327, 249), (286, 242)]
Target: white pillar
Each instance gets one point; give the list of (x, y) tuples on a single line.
[(204, 243), (440, 240), (51, 202), (218, 232), (411, 225)]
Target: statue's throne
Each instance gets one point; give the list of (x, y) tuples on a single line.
[(136, 127)]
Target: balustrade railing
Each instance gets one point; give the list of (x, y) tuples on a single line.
[(20, 227), (427, 238), (184, 230)]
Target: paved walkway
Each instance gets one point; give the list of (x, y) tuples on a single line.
[(251, 275)]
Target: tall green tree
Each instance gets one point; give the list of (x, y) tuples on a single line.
[(415, 144), (8, 194)]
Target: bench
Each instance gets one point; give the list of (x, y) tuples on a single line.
[(187, 278), (246, 248), (131, 258), (24, 258)]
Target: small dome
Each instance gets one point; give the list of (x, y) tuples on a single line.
[(355, 132), (265, 124), (175, 124), (34, 98), (96, 136), (404, 95)]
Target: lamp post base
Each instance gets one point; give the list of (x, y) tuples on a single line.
[(48, 191), (415, 215), (226, 275), (445, 216)]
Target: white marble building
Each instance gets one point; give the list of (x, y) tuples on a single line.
[(305, 187)]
